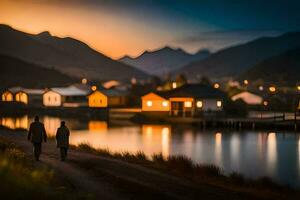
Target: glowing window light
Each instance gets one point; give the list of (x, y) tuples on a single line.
[(149, 103), (216, 85), (188, 104), (94, 87), (199, 104), (165, 104), (272, 89), (174, 85), (84, 81), (219, 104)]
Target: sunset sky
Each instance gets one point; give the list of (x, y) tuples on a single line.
[(116, 27)]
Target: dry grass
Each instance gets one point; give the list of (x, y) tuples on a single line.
[(184, 166), (20, 179)]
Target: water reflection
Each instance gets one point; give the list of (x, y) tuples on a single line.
[(271, 153), (51, 124), (250, 153), (156, 139), (98, 126), (218, 149), (15, 123), (235, 151)]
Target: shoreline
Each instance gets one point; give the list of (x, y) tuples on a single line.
[(182, 169)]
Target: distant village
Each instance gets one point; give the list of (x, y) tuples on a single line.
[(177, 98)]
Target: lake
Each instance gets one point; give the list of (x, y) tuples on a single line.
[(252, 153)]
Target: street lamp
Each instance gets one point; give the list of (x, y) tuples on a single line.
[(265, 104), (216, 85)]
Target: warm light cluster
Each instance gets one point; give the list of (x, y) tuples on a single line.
[(216, 85), (272, 89)]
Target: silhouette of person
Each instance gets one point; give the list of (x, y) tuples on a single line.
[(36, 135), (62, 140)]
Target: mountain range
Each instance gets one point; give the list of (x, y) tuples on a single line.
[(283, 69), (232, 61), (16, 72), (67, 55), (164, 60)]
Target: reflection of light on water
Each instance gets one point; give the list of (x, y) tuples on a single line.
[(299, 156), (15, 123), (156, 139), (271, 152), (218, 149), (165, 141), (235, 150), (51, 125), (99, 126)]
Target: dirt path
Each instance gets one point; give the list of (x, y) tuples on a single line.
[(114, 179)]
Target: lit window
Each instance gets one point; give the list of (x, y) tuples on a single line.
[(94, 87), (149, 103), (219, 104), (199, 104), (84, 81), (187, 104), (174, 85), (272, 89), (216, 85), (165, 103)]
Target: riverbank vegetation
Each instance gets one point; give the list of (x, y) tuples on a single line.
[(21, 178), (184, 167)]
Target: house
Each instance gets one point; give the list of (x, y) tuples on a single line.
[(191, 99), (65, 96), (153, 102), (248, 97), (184, 101), (32, 97), (97, 100), (8, 95), (116, 98)]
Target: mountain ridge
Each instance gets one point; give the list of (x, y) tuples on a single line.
[(67, 55), (163, 60), (234, 60)]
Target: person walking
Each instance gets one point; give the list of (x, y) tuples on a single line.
[(36, 135), (62, 139)]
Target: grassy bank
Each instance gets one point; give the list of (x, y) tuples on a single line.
[(21, 179), (182, 166)]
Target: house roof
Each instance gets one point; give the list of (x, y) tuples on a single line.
[(70, 91), (26, 90), (114, 92), (153, 96), (33, 91), (15, 89), (194, 91)]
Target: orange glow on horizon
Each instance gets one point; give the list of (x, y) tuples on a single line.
[(114, 35)]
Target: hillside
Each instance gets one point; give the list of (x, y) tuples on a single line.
[(15, 72), (283, 69), (163, 60), (234, 60), (66, 55)]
